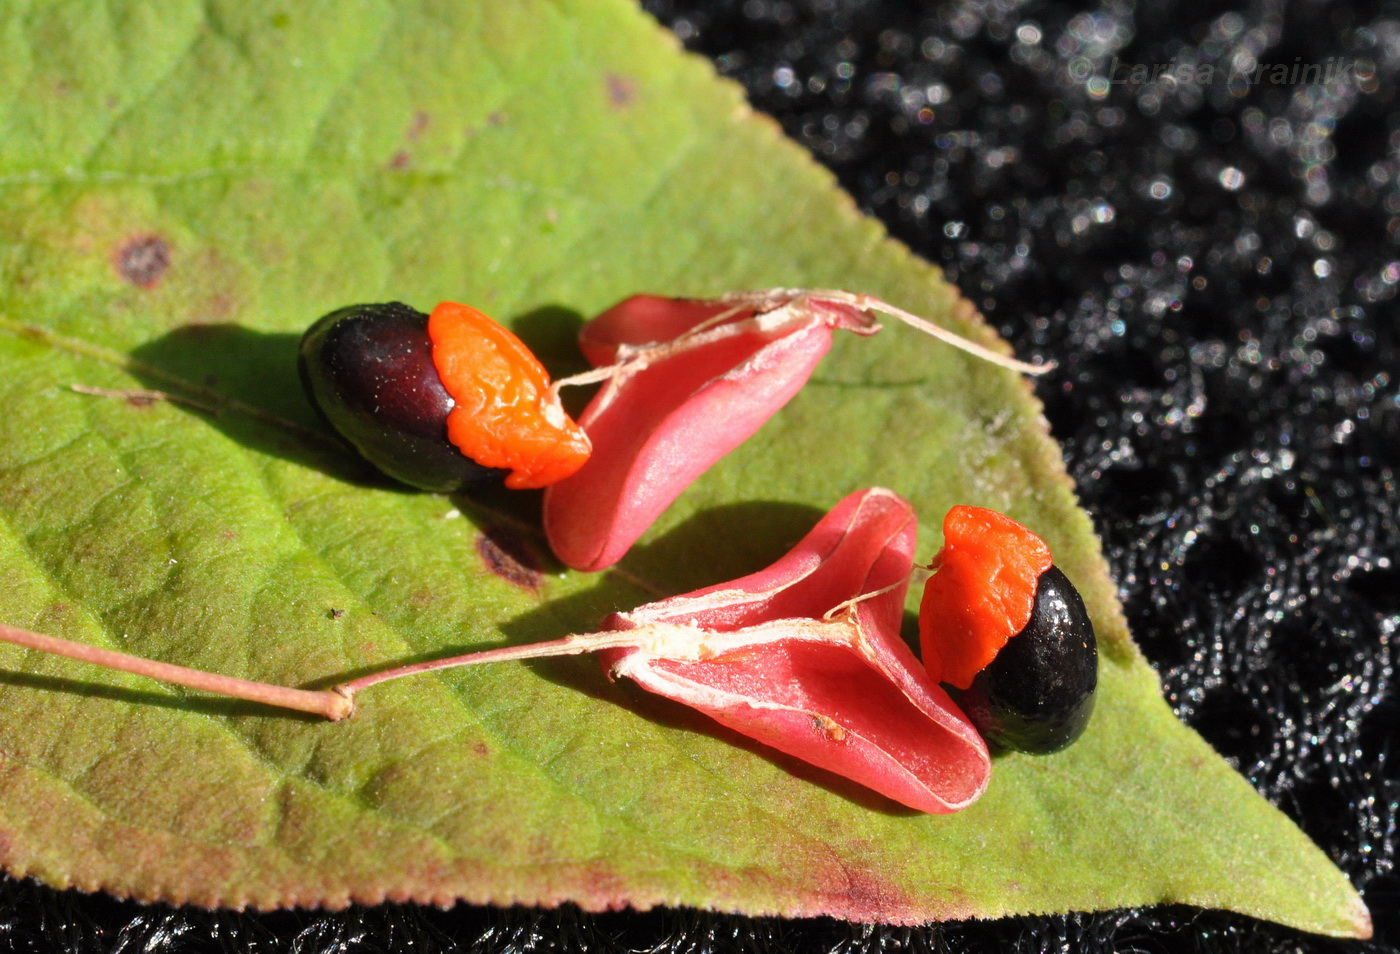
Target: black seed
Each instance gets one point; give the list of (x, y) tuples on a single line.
[(369, 371), (1038, 694)]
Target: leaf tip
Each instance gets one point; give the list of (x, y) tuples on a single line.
[(1363, 928)]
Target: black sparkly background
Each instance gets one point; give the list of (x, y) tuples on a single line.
[(1213, 256)]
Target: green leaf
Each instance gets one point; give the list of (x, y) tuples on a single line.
[(184, 187)]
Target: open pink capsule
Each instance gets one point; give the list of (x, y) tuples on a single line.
[(660, 424), (806, 657), (686, 382)]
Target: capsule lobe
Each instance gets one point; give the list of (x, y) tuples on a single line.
[(1038, 693)]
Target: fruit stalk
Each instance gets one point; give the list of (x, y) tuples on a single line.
[(334, 704), (328, 703)]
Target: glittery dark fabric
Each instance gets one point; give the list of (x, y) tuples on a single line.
[(1214, 264)]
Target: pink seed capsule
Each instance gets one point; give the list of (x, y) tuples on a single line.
[(806, 657), (660, 423), (685, 382)]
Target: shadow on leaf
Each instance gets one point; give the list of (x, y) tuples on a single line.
[(721, 543), (551, 332), (248, 381)]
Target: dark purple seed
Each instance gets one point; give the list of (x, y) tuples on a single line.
[(369, 371)]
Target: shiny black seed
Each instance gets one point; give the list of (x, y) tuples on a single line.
[(1038, 694), (369, 371)]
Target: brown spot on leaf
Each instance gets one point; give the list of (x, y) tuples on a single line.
[(219, 308), (142, 259), (336, 613), (622, 91), (422, 597), (419, 123), (400, 160), (507, 556), (493, 120), (481, 748)]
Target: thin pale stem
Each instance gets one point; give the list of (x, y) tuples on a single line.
[(330, 704), (334, 704), (918, 576), (568, 646), (840, 608), (956, 340), (586, 377), (642, 355), (142, 396), (713, 321), (760, 299)]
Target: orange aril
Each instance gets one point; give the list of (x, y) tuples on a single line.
[(982, 594), (505, 415)]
